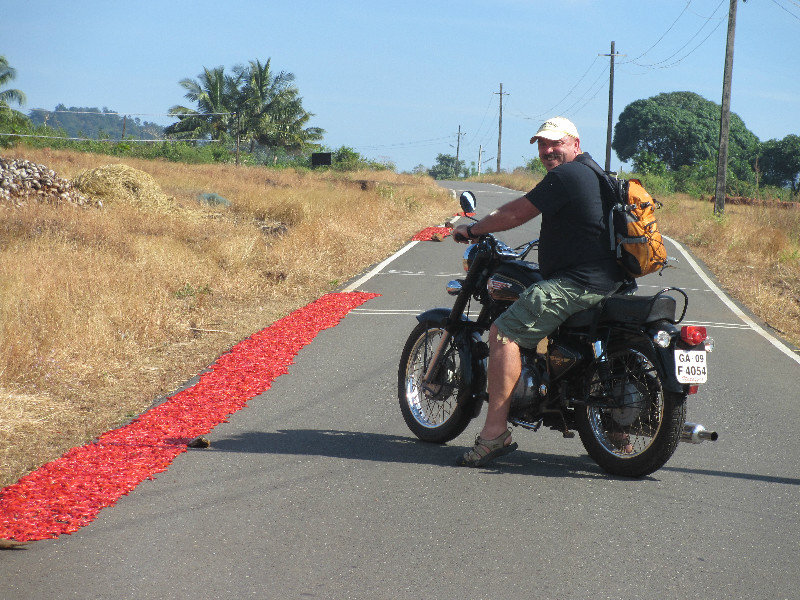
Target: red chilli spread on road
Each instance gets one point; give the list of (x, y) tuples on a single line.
[(68, 493), (428, 234)]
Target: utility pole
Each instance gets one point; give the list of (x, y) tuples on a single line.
[(458, 148), (500, 128), (480, 158), (725, 116), (238, 137), (610, 106)]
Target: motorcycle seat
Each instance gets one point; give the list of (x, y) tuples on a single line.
[(630, 310)]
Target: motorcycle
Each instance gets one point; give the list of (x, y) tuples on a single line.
[(618, 373)]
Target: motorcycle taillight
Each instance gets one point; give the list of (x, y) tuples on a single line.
[(693, 334)]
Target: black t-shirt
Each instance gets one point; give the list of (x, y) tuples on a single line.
[(574, 240)]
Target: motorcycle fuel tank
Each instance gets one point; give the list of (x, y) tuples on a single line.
[(511, 279)]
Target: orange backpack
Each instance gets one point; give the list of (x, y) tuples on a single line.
[(633, 230)]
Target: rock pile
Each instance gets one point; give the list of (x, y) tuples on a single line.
[(22, 181)]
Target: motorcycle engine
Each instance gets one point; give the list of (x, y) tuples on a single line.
[(526, 392)]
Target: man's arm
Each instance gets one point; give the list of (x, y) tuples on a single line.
[(510, 215)]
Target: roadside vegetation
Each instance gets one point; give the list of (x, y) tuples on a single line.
[(104, 310)]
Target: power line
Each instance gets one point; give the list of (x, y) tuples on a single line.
[(115, 141), (662, 35), (593, 87), (567, 95), (483, 120), (409, 144), (660, 64), (95, 112), (786, 9)]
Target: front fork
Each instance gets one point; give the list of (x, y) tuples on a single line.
[(435, 364)]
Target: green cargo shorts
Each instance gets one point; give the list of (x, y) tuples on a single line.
[(541, 308)]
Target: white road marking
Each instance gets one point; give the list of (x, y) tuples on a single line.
[(356, 284), (735, 309)]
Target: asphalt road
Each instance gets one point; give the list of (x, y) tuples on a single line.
[(318, 490)]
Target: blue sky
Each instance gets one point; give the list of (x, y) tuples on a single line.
[(394, 80)]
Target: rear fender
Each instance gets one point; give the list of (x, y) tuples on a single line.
[(666, 359)]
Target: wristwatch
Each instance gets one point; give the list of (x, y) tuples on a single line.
[(469, 230)]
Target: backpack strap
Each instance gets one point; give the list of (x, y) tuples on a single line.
[(608, 195)]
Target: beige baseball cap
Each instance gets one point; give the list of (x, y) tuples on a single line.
[(555, 129)]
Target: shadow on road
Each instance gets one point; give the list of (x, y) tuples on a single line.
[(745, 476), (379, 447)]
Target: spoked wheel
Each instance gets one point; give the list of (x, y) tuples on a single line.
[(631, 426), (432, 410)]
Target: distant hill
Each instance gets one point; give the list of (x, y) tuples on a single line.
[(91, 122)]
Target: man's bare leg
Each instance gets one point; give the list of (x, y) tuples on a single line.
[(505, 366)]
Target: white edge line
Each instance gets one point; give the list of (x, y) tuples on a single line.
[(378, 268), (735, 309)]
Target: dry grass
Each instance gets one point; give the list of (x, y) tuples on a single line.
[(104, 311), (753, 251)]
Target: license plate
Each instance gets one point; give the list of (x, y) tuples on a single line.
[(691, 366)]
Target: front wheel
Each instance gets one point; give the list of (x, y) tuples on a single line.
[(630, 426), (433, 411)]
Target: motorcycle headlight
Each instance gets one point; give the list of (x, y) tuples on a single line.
[(469, 255)]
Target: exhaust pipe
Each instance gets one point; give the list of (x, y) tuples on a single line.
[(697, 434)]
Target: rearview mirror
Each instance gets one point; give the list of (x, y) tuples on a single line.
[(468, 202)]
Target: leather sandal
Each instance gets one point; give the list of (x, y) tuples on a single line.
[(485, 451), (622, 442)]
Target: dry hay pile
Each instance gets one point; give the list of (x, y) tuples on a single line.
[(120, 183), (22, 181)]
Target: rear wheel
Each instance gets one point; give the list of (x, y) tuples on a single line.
[(631, 426), (434, 412)]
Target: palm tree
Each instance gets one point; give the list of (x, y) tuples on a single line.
[(259, 92), (11, 121), (252, 103), (215, 94), (8, 73), (276, 116), (283, 126)]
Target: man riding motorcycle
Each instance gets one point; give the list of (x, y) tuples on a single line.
[(574, 257)]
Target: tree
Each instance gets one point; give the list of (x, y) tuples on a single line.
[(446, 167), (346, 159), (7, 74), (11, 121), (536, 166), (647, 163), (680, 129), (216, 95), (273, 109), (780, 162), (252, 103), (420, 169), (89, 121)]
